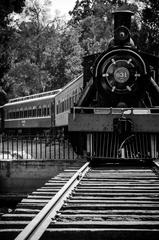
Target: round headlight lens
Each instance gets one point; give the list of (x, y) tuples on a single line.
[(121, 75)]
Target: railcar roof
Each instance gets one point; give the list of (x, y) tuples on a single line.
[(30, 100), (69, 84), (38, 95), (41, 96)]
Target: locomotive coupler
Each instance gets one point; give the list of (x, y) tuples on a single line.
[(122, 125)]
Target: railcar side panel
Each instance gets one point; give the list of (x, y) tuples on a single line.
[(66, 99), (30, 114)]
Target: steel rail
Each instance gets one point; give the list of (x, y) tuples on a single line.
[(39, 224)]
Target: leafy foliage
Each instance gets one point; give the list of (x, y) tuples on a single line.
[(151, 26), (26, 78), (47, 54), (6, 7)]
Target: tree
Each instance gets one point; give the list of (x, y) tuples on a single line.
[(64, 56), (150, 26), (32, 29), (72, 52), (6, 7), (81, 10), (25, 78), (28, 46), (49, 51)]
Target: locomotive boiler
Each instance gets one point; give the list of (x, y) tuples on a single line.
[(120, 99)]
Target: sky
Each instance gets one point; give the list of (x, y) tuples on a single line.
[(62, 6)]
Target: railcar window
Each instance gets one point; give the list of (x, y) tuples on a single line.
[(64, 103), (34, 111), (21, 113), (67, 103), (25, 113), (13, 114), (6, 114), (17, 114), (62, 107), (65, 106), (44, 111), (59, 107), (73, 100), (48, 111), (30, 112), (39, 111)]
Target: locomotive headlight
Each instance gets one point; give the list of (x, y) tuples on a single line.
[(119, 72), (122, 35), (121, 75), (118, 75)]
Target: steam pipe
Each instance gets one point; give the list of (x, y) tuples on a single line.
[(153, 90)]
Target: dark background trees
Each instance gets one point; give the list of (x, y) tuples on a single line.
[(150, 15), (6, 7)]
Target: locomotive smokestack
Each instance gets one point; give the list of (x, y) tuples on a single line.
[(122, 18), (122, 25)]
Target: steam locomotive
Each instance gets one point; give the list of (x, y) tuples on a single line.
[(120, 99)]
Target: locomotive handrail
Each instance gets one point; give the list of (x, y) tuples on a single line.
[(123, 111)]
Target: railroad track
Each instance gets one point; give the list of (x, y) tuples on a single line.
[(94, 202)]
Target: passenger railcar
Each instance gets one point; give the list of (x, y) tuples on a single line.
[(43, 112), (30, 114)]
